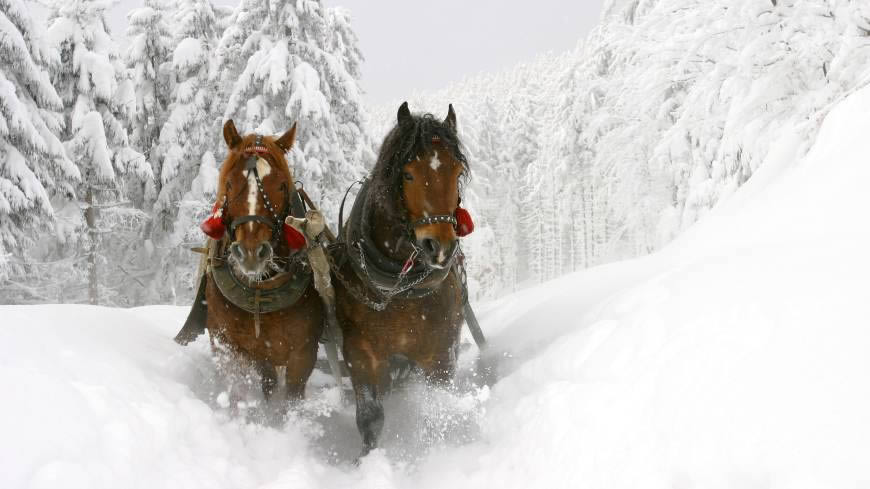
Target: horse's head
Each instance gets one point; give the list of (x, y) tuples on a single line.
[(254, 195), (431, 170)]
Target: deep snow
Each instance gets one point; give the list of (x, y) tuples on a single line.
[(736, 357)]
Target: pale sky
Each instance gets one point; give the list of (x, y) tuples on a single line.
[(414, 45), (411, 45)]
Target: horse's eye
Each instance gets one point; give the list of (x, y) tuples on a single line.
[(408, 176)]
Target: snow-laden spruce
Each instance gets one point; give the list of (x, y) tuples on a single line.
[(143, 139), (96, 96), (685, 105), (281, 63), (665, 109), (187, 168), (580, 158), (33, 164), (148, 59)]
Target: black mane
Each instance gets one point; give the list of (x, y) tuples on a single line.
[(405, 142)]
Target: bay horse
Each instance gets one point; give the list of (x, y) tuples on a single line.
[(261, 305), (400, 290)]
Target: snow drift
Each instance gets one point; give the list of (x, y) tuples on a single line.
[(736, 357)]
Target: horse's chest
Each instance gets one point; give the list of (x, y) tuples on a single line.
[(412, 324), (282, 333)]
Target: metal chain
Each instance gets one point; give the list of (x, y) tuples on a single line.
[(359, 293), (263, 193), (448, 218), (276, 228), (397, 288), (463, 275), (354, 290)]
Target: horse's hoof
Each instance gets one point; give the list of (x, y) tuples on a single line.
[(367, 449)]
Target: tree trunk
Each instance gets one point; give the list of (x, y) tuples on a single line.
[(587, 223), (91, 220)]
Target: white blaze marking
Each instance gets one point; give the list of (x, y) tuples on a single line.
[(263, 169), (435, 163)]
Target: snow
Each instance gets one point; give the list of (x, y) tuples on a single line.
[(188, 53), (306, 93), (92, 135), (28, 191), (735, 357)]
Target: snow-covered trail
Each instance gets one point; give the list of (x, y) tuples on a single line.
[(736, 357)]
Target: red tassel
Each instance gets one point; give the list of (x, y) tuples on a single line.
[(464, 224), (214, 227), (295, 239)]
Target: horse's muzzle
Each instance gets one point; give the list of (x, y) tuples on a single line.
[(437, 254), (251, 262)]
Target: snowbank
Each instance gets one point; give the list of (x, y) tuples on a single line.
[(736, 357)]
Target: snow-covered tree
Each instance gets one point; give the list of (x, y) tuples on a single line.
[(667, 108), (608, 151), (187, 142), (286, 62), (190, 129), (148, 58), (87, 80), (33, 164)]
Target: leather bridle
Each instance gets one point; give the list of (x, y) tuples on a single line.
[(275, 222)]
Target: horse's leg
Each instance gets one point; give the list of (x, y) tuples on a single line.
[(439, 368), (369, 415), (295, 387), (299, 368), (232, 366), (367, 375), (268, 377)]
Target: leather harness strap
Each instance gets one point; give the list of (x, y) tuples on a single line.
[(275, 222)]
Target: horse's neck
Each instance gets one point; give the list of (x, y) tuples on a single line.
[(384, 236)]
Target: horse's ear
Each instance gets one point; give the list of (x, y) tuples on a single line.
[(404, 113), (450, 121), (231, 135), (285, 142)]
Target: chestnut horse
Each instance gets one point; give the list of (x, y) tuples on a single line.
[(400, 290), (262, 306)]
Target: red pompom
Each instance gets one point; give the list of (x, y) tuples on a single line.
[(295, 239), (464, 224), (214, 227)]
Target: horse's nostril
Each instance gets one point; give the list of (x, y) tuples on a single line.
[(236, 250), (431, 246), (264, 251)]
